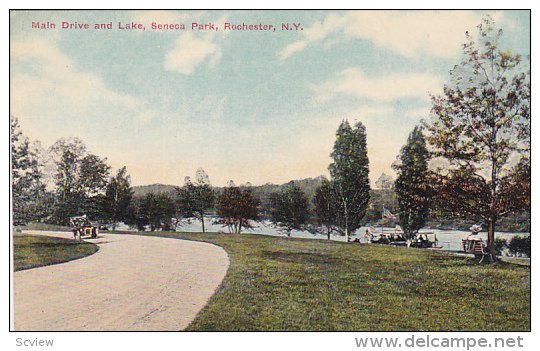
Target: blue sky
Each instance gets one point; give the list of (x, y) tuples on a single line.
[(248, 106)]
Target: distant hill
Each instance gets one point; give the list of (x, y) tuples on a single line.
[(308, 185), (142, 190)]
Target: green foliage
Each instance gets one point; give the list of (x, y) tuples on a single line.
[(412, 186), (482, 123), (237, 208), (290, 209), (30, 200), (117, 198), (196, 199), (515, 193), (154, 210), (81, 179), (325, 207), (499, 245), (350, 176), (262, 192), (519, 245)]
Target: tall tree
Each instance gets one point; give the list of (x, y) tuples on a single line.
[(290, 209), (237, 208), (350, 175), (28, 188), (326, 207), (481, 124), (196, 199), (412, 185), (80, 177), (118, 196)]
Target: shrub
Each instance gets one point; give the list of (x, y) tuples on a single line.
[(499, 245), (520, 245)]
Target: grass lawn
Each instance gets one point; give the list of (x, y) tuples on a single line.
[(32, 251), (278, 283)]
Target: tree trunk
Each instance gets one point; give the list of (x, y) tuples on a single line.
[(328, 233), (346, 233), (491, 239), (202, 222)]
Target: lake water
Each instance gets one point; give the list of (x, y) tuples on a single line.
[(448, 239)]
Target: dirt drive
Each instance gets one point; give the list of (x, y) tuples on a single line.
[(132, 283)]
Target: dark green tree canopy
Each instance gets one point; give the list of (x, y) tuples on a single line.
[(30, 201), (350, 175), (81, 179), (412, 186), (196, 199), (153, 210), (290, 209), (326, 207), (118, 196), (237, 208)]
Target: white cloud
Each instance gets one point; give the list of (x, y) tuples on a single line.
[(190, 51), (354, 82), (53, 97), (293, 48), (59, 75), (409, 33)]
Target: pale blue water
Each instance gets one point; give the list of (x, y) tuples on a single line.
[(448, 239)]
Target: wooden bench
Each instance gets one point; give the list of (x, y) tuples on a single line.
[(479, 250)]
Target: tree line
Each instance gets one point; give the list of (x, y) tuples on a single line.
[(67, 180)]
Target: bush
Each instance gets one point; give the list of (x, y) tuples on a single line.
[(499, 245), (520, 246)]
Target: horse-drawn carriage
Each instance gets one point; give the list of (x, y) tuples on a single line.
[(82, 228)]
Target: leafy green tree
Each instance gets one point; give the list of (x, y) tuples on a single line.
[(196, 199), (325, 207), (290, 209), (481, 124), (237, 208), (154, 210), (350, 175), (412, 185), (117, 198), (80, 178), (27, 185), (520, 245), (515, 188)]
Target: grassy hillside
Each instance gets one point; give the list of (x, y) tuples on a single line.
[(278, 283)]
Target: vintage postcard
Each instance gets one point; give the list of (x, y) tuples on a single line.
[(272, 170)]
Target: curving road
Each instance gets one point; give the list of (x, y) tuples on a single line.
[(132, 283)]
